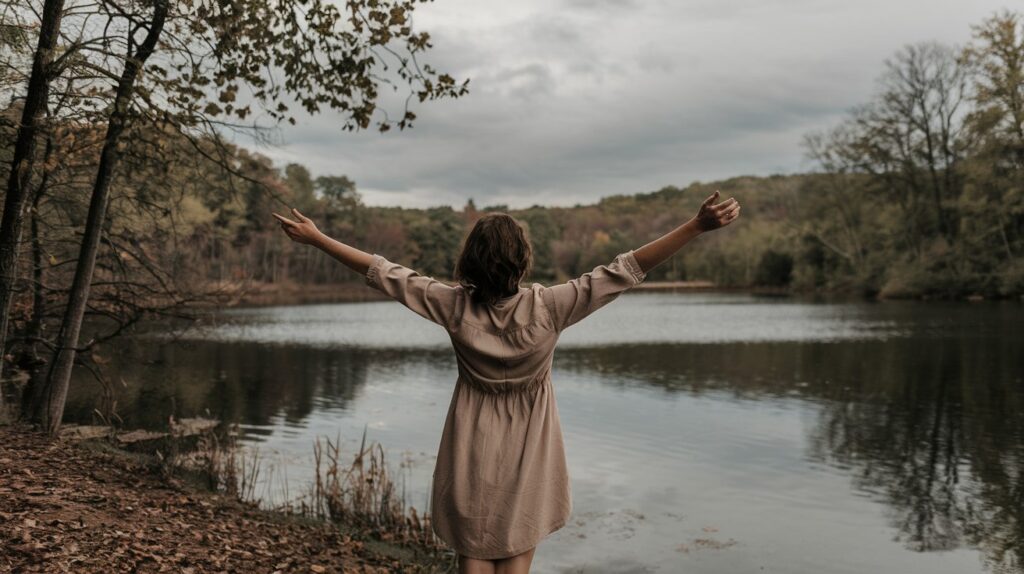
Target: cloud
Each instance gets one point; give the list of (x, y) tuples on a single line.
[(574, 100)]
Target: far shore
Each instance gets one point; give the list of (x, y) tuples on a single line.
[(278, 294), (273, 294)]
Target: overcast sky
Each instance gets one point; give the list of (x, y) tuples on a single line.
[(572, 100)]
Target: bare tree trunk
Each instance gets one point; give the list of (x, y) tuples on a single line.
[(34, 332), (24, 150), (51, 410)]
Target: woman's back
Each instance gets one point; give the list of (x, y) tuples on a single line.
[(510, 343), (500, 482)]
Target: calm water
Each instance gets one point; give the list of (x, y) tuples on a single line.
[(705, 433)]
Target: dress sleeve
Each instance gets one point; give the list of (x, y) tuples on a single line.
[(427, 296), (570, 302)]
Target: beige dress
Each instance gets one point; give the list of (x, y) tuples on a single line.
[(501, 482)]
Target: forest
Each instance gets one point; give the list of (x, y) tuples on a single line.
[(125, 201)]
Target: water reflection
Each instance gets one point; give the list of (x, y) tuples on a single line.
[(256, 385), (922, 411), (933, 427)]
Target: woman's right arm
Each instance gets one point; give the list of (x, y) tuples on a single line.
[(426, 296), (305, 231), (709, 217)]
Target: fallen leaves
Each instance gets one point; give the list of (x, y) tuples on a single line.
[(65, 509)]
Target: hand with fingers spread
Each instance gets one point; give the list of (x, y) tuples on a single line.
[(711, 216), (301, 231)]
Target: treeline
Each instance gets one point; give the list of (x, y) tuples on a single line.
[(917, 193)]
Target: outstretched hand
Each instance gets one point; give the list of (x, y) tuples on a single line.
[(301, 231), (719, 215)]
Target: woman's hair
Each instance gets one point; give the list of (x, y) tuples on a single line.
[(495, 257)]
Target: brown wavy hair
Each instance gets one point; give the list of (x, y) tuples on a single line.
[(495, 258)]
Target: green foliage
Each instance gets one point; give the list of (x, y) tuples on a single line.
[(301, 187), (1011, 278), (775, 269), (542, 230), (437, 239), (339, 192)]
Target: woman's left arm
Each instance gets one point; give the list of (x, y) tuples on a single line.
[(305, 231), (710, 216)]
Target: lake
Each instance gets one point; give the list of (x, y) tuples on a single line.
[(717, 433)]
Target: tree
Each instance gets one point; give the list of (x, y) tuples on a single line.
[(995, 174), (18, 197), (912, 134), (997, 55), (51, 410), (906, 149), (300, 183), (211, 55), (774, 269), (437, 240), (338, 192)]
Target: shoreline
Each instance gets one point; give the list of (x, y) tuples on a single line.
[(88, 506), (282, 294), (271, 295)]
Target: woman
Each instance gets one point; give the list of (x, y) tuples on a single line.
[(500, 481)]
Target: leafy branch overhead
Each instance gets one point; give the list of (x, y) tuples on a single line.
[(307, 51)]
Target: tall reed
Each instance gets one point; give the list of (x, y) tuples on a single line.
[(362, 493), (359, 495)]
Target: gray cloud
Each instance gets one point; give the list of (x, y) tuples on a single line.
[(575, 100)]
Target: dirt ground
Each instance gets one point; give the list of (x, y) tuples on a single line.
[(65, 507)]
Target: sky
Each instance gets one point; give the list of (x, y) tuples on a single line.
[(574, 100)]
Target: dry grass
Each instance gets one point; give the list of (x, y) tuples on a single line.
[(359, 494), (231, 469), (363, 493)]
